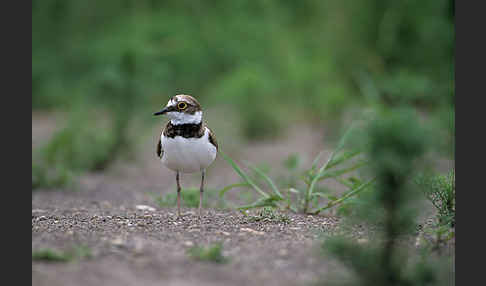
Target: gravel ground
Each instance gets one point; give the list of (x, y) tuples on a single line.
[(130, 246)]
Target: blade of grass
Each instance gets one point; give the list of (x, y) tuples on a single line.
[(354, 192), (325, 196), (344, 157), (316, 160), (229, 187), (243, 175), (332, 174), (262, 202), (324, 167), (313, 182), (266, 178), (343, 182)]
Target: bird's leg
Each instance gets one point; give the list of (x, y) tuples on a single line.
[(201, 190), (178, 195)]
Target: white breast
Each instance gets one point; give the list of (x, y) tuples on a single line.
[(188, 155)]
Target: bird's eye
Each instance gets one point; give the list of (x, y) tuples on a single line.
[(182, 105)]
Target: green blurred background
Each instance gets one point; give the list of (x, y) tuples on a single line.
[(110, 64)]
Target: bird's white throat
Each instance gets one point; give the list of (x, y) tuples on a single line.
[(178, 118)]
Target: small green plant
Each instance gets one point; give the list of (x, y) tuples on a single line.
[(440, 190), (268, 214), (51, 255), (212, 253), (306, 200)]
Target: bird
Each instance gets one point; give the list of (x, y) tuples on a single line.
[(186, 144)]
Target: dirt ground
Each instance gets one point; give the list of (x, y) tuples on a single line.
[(148, 247)]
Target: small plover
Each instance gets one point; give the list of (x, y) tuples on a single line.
[(186, 144)]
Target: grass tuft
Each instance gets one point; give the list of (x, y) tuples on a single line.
[(440, 190), (212, 253), (308, 198), (51, 255), (42, 177)]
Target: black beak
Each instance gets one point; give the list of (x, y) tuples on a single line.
[(165, 110)]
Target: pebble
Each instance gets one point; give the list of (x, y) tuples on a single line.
[(188, 243), (362, 240), (145, 208), (105, 204), (118, 241)]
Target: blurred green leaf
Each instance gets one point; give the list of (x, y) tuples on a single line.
[(268, 180), (243, 175), (229, 187)]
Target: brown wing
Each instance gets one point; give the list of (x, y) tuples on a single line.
[(212, 138), (160, 152)]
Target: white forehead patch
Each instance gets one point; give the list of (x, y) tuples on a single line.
[(171, 102)]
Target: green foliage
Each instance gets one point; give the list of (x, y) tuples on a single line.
[(261, 58), (364, 261), (42, 178), (83, 145), (440, 190), (212, 253), (300, 200), (97, 131), (51, 255), (269, 62), (79, 146), (396, 142), (357, 258)]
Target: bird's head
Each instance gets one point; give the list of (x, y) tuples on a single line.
[(182, 109)]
